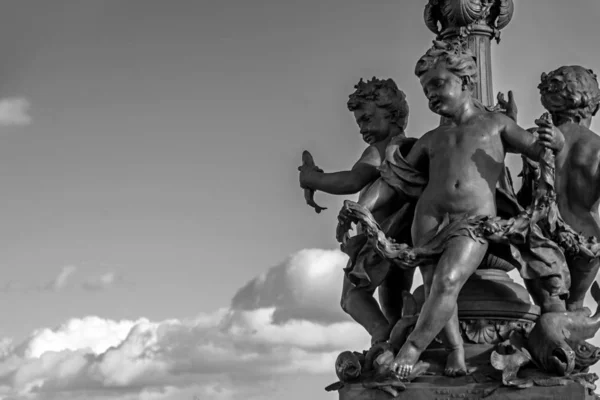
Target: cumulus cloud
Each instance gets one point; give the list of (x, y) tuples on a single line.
[(306, 286), (283, 323), (14, 111)]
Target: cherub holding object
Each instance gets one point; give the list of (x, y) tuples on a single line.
[(464, 161), (381, 112), (572, 96)]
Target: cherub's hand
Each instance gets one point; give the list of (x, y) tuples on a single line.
[(509, 107), (549, 135), (344, 226), (308, 175)]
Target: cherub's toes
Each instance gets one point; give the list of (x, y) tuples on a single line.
[(403, 371)]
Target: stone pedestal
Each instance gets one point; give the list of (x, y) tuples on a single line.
[(460, 388), (492, 293), (483, 383)]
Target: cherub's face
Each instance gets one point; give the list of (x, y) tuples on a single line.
[(373, 121), (444, 90)]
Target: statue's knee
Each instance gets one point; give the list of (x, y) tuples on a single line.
[(448, 284), (348, 299)]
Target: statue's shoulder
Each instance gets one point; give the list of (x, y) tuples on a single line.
[(496, 117), (584, 157), (401, 144), (584, 144), (587, 137)]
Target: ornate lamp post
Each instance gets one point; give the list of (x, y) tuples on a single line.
[(478, 21), (492, 308)]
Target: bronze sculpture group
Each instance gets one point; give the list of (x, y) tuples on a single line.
[(445, 203)]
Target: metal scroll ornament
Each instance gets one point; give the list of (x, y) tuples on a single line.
[(447, 18)]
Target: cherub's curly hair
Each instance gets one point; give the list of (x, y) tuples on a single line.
[(570, 93), (455, 56), (458, 59), (385, 94)]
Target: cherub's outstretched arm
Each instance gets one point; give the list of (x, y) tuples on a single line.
[(378, 195), (344, 182), (518, 140)]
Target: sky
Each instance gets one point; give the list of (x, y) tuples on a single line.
[(155, 242)]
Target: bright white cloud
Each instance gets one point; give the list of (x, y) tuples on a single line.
[(90, 333), (306, 286), (14, 111), (283, 324), (280, 324)]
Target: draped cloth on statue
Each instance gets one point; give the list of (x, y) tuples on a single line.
[(513, 235), (366, 267), (573, 244)]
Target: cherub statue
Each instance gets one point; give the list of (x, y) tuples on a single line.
[(381, 112), (572, 96), (463, 162)]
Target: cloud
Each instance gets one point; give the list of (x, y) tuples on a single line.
[(90, 333), (305, 286), (282, 326), (14, 111), (103, 282), (279, 324), (65, 280), (61, 280)]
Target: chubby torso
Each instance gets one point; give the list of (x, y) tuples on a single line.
[(464, 163)]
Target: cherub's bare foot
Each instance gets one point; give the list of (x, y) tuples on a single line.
[(455, 363), (405, 360)]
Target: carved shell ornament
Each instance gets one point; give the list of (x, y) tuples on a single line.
[(490, 331), (480, 331), (462, 14)]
